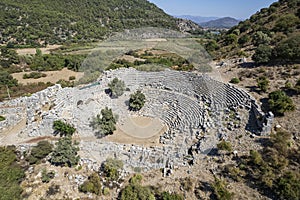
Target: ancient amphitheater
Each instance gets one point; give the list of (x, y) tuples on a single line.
[(183, 117)]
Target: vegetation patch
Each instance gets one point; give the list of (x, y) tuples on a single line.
[(116, 87), (63, 128), (65, 153), (137, 101), (105, 123), (39, 152), (280, 103), (11, 174), (34, 75), (2, 118)]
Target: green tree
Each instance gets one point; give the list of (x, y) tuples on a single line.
[(263, 83), (288, 50), (286, 23), (261, 38), (65, 153), (231, 39), (7, 79), (39, 152), (288, 186), (137, 101), (116, 87), (111, 168), (262, 54), (104, 123), (63, 128), (11, 174), (92, 185), (169, 196), (279, 102)]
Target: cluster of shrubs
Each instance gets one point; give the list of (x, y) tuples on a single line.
[(34, 75)]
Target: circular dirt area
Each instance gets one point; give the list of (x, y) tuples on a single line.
[(138, 130), (141, 127)]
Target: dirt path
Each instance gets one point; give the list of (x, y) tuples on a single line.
[(31, 51)]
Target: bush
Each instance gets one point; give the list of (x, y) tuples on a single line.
[(2, 118), (111, 168), (47, 176), (116, 87), (286, 23), (223, 145), (263, 83), (280, 103), (34, 75), (137, 101), (92, 185), (262, 54), (220, 191), (288, 186), (11, 174), (63, 128), (72, 78), (104, 123), (168, 196), (235, 80), (65, 153), (39, 152), (288, 50)]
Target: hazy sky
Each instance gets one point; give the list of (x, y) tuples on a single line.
[(240, 9)]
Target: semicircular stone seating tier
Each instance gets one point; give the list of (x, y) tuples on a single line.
[(217, 94), (181, 98)]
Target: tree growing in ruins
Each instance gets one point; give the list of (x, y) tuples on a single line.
[(65, 153), (63, 128), (137, 101), (116, 87), (104, 123)]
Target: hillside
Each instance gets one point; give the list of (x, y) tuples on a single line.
[(222, 23), (32, 22), (272, 32)]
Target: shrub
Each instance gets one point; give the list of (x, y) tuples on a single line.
[(47, 176), (288, 186), (116, 87), (2, 118), (263, 83), (169, 196), (137, 101), (34, 75), (288, 50), (231, 39), (92, 185), (235, 80), (111, 168), (39, 152), (262, 54), (72, 78), (220, 191), (63, 128), (223, 145), (280, 103), (104, 123), (11, 174), (286, 23)]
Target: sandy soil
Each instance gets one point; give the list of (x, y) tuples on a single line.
[(52, 76), (31, 51), (138, 130)]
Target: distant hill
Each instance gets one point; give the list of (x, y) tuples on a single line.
[(31, 22), (221, 23), (196, 19), (270, 35)]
